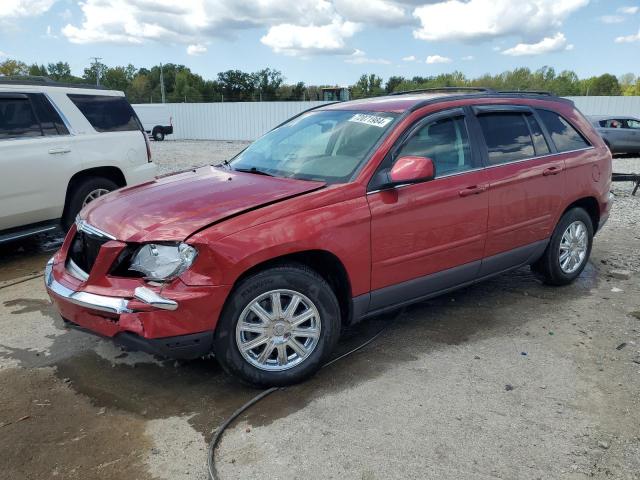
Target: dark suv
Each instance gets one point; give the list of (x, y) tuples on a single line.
[(343, 212)]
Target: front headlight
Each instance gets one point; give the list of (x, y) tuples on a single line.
[(163, 262)]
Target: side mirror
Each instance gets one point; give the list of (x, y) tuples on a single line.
[(412, 170)]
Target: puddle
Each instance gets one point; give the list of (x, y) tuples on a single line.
[(27, 256)]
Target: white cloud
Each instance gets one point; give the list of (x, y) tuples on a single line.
[(196, 49), (2, 54), (486, 19), (378, 12), (432, 59), (23, 8), (307, 40), (629, 10), (629, 38), (410, 58), (546, 45), (360, 58), (612, 19), (468, 58)]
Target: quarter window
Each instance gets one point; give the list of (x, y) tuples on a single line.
[(564, 135), (17, 119), (50, 121), (507, 136), (445, 142), (107, 113)]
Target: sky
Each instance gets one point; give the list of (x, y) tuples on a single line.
[(328, 41)]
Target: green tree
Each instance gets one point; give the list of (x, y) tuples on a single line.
[(236, 85), (60, 71), (392, 83), (11, 67), (38, 70), (267, 82), (367, 86)]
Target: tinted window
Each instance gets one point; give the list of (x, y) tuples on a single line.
[(564, 136), (445, 141), (507, 137), (325, 145), (635, 124), (107, 113), (17, 119), (539, 142), (50, 121)]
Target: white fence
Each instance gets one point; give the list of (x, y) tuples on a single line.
[(608, 105), (249, 120), (230, 121)]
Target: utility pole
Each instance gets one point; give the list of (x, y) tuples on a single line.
[(162, 83), (96, 67)]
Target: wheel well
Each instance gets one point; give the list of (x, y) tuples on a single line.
[(326, 265), (590, 205), (112, 173)]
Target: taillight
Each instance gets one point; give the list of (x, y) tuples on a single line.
[(146, 142)]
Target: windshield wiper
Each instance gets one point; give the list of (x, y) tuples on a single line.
[(253, 170)]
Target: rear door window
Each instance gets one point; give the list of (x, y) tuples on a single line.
[(17, 119), (507, 137), (565, 137), (107, 113), (49, 118)]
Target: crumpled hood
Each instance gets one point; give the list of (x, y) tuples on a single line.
[(174, 207)]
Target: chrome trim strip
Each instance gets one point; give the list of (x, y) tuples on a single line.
[(27, 233), (76, 271), (83, 226), (84, 299), (152, 298)]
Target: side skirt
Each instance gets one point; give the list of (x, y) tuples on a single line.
[(439, 283)]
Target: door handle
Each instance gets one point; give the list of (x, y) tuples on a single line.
[(551, 171), (55, 151), (475, 190)]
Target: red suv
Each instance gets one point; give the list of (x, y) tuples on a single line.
[(343, 212)]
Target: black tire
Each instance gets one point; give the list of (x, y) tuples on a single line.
[(292, 276), (80, 191), (158, 135), (548, 268)]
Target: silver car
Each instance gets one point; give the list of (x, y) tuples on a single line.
[(621, 134)]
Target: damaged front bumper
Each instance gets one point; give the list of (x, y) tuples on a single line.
[(176, 324)]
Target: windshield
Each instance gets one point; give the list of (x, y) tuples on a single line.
[(327, 146)]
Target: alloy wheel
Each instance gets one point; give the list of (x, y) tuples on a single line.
[(278, 330)]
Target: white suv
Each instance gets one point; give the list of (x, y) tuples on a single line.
[(61, 146)]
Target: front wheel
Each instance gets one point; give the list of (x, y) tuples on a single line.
[(158, 135), (278, 326), (568, 251), (84, 192)]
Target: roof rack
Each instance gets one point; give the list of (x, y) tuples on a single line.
[(445, 89), (44, 81), (528, 92)]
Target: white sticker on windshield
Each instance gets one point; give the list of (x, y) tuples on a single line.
[(368, 119)]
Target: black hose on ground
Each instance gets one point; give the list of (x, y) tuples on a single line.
[(213, 472)]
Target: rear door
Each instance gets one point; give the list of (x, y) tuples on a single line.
[(631, 127), (35, 149), (526, 185), (430, 236)]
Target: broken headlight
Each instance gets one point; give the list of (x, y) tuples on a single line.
[(163, 262)]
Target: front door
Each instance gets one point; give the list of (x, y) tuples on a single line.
[(429, 236)]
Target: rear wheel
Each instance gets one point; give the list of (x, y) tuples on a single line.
[(158, 135), (84, 192), (278, 326), (568, 251)]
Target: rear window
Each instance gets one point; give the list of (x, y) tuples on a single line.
[(563, 134), (107, 113), (17, 119), (507, 136)]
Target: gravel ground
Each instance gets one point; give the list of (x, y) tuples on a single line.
[(176, 155), (504, 379)]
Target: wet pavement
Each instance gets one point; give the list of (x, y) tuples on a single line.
[(504, 379)]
